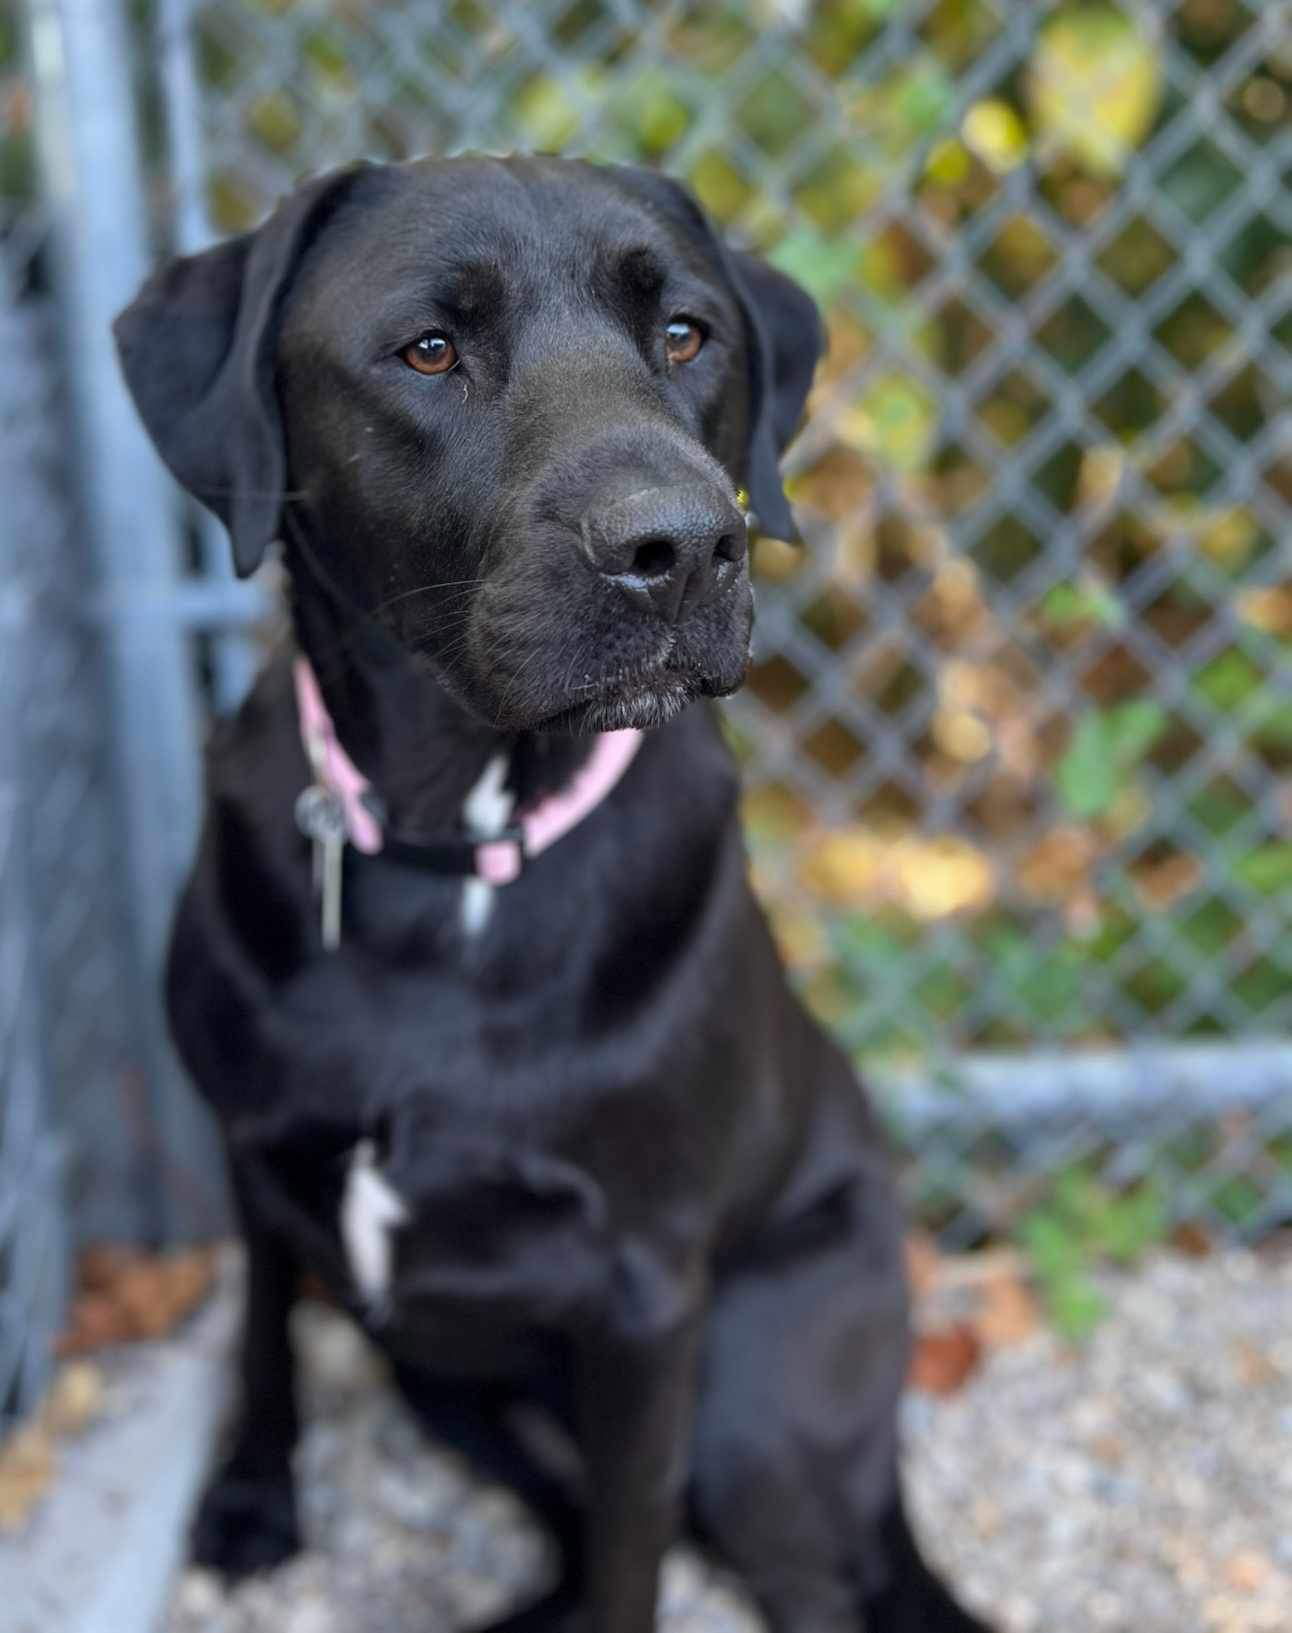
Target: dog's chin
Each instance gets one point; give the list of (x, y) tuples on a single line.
[(642, 707), (640, 704)]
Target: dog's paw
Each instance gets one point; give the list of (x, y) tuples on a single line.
[(245, 1525)]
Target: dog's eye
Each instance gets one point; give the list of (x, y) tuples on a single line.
[(683, 338), (431, 354)]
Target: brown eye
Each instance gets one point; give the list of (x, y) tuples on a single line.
[(683, 338), (431, 354)]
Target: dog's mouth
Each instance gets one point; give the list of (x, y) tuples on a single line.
[(636, 699)]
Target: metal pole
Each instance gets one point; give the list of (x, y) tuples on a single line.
[(233, 659), (33, 1235), (94, 183)]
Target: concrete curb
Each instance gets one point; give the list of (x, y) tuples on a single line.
[(101, 1552)]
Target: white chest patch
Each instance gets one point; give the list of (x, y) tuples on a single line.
[(486, 812), (370, 1210)]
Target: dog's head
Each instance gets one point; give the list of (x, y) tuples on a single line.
[(501, 406)]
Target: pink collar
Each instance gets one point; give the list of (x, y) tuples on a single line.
[(498, 860)]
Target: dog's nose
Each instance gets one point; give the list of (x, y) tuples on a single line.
[(667, 549)]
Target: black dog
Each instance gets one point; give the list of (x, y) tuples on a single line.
[(571, 1140)]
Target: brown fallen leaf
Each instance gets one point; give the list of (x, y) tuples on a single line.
[(127, 1294), (1058, 864), (943, 1360), (1007, 1312), (101, 1264), (142, 1294), (94, 1321), (192, 1274), (27, 1466), (1192, 1240), (29, 1456), (1162, 884), (923, 1263), (1248, 1570)]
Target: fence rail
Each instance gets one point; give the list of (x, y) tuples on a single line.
[(1018, 737)]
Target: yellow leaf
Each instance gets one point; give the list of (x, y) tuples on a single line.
[(1229, 536), (1099, 479), (935, 878), (1267, 609), (961, 735), (927, 878), (947, 163), (1094, 86), (844, 866), (895, 419), (77, 1397), (801, 938), (995, 133), (27, 1466)]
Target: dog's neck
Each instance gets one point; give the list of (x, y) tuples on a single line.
[(421, 750)]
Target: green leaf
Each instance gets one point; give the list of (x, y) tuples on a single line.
[(1229, 679), (1133, 728), (912, 104), (1086, 777), (1133, 1223), (1104, 747), (1070, 604), (923, 96), (651, 113), (1267, 869), (824, 266), (1054, 1249), (1061, 1262), (1076, 1308)]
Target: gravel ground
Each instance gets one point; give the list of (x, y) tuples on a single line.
[(1144, 1485)]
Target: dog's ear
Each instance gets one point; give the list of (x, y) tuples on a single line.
[(197, 350), (786, 340)]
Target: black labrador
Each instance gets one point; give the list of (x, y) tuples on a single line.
[(568, 1143)]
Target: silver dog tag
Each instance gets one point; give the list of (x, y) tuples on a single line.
[(320, 816)]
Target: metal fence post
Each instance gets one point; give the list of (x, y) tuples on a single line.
[(233, 658), (32, 1220), (93, 177)]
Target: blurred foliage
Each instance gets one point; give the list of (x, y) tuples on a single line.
[(1085, 1223)]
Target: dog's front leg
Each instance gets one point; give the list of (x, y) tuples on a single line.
[(636, 1402), (247, 1519)]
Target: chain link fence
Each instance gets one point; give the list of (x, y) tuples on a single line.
[(86, 1151), (1018, 737), (53, 939), (1019, 731)]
